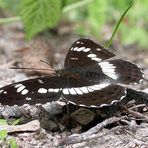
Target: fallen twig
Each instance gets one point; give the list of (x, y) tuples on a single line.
[(137, 106), (30, 126), (137, 114), (76, 138)]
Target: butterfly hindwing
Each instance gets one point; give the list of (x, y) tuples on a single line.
[(93, 95), (33, 91), (121, 71)]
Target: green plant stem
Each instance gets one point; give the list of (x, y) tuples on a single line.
[(118, 24), (76, 5), (9, 20)]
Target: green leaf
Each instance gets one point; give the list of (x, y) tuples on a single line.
[(3, 122), (3, 135), (12, 143), (135, 34), (38, 15), (2, 4), (97, 15), (16, 122), (12, 5)]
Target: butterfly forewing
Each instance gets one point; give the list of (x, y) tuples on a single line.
[(33, 91), (85, 52)]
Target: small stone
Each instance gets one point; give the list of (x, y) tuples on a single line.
[(131, 144), (13, 111), (83, 116)]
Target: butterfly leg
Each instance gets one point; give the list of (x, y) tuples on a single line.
[(67, 108)]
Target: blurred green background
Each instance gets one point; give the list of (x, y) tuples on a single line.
[(95, 18)]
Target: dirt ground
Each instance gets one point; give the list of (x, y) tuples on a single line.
[(16, 51)]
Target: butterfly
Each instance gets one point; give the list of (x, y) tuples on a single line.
[(91, 77)]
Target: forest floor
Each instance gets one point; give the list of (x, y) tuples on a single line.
[(16, 51)]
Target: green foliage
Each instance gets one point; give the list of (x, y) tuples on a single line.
[(134, 28), (3, 135), (2, 4), (97, 16), (40, 14), (3, 122), (100, 13), (12, 143), (12, 5), (7, 142), (89, 16), (134, 35), (16, 122)]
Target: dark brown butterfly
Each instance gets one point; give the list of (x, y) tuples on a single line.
[(88, 79)]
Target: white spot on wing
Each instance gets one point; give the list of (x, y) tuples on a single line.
[(1, 90), (98, 86), (91, 55), (84, 89), (109, 70), (75, 49), (56, 90), (86, 49), (71, 102), (104, 105), (72, 91), (50, 90), (5, 92), (140, 80), (114, 101), (17, 85), (20, 88), (24, 92), (82, 105), (98, 49), (93, 106), (65, 91), (28, 98), (78, 91), (72, 58), (53, 90), (96, 59), (122, 97), (40, 81), (42, 90), (80, 49)]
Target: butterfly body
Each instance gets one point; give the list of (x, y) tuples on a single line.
[(90, 78)]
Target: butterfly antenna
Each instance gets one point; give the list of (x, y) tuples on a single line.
[(48, 64), (30, 68)]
